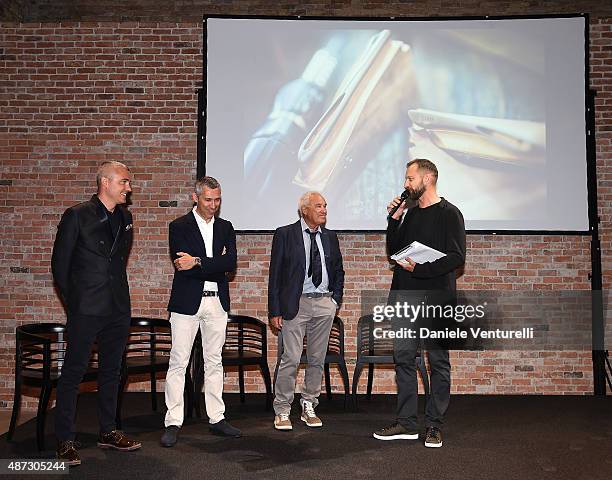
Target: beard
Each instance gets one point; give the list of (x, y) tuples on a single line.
[(416, 194)]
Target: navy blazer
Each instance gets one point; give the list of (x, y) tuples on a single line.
[(88, 265), (187, 285), (288, 269)]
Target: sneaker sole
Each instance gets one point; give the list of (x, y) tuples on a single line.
[(403, 436), (283, 427), (313, 425), (433, 445), (113, 447)]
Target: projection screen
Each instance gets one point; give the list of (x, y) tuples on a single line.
[(340, 107)]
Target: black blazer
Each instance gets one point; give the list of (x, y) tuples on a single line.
[(288, 268), (187, 285), (88, 265)]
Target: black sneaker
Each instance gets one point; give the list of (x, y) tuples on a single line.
[(168, 439), (396, 432), (67, 452), (224, 429), (433, 437)]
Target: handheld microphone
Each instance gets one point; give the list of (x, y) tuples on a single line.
[(403, 197)]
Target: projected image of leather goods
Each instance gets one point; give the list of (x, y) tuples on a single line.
[(341, 107)]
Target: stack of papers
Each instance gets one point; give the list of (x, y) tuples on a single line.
[(419, 253)]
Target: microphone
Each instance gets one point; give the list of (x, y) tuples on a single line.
[(403, 197)]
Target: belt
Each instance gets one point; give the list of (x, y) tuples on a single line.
[(316, 294), (206, 293)]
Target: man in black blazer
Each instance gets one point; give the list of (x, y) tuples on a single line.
[(203, 247), (89, 268), (304, 291)]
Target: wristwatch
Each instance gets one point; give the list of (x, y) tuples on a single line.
[(198, 261)]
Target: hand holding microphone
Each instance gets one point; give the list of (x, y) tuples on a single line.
[(397, 206)]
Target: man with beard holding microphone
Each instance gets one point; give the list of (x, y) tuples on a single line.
[(437, 223)]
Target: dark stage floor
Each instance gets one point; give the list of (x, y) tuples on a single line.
[(488, 437)]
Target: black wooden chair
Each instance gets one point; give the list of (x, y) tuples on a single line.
[(372, 351), (246, 343), (39, 352), (148, 352), (334, 355)]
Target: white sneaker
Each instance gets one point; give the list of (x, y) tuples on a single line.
[(308, 415)]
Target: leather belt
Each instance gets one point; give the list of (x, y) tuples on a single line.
[(316, 294), (206, 293)]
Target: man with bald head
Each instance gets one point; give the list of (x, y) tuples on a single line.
[(304, 291), (89, 268)]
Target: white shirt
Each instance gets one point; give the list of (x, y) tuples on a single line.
[(206, 230)]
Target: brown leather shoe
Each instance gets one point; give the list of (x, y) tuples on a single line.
[(117, 441), (67, 451)]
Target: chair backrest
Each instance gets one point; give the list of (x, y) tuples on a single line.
[(40, 348), (367, 342), (149, 336), (336, 338), (245, 334)]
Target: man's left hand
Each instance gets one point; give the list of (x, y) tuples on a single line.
[(407, 264), (185, 261)]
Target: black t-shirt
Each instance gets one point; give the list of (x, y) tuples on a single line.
[(438, 226), (114, 220)]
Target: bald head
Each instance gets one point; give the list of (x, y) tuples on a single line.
[(107, 170)]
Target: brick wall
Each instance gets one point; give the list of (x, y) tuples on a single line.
[(75, 94)]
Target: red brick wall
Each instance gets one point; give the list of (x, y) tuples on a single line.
[(73, 95)]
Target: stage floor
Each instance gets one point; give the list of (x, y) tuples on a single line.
[(485, 437)]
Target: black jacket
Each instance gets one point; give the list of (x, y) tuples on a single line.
[(89, 267), (187, 285), (288, 268)]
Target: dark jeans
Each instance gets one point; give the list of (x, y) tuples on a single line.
[(404, 353), (407, 386), (82, 330)]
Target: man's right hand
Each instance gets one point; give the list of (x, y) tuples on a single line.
[(277, 322), (399, 212)]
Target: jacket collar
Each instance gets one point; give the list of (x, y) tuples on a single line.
[(102, 214), (197, 236)]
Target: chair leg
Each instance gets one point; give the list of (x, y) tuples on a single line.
[(198, 383), (370, 379), (265, 371), (43, 403), (188, 395), (328, 389), (356, 375), (16, 408), (241, 383), (154, 390), (345, 380)]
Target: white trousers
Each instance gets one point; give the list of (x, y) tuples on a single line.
[(211, 319)]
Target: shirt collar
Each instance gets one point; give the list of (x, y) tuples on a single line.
[(306, 227), (200, 219)]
